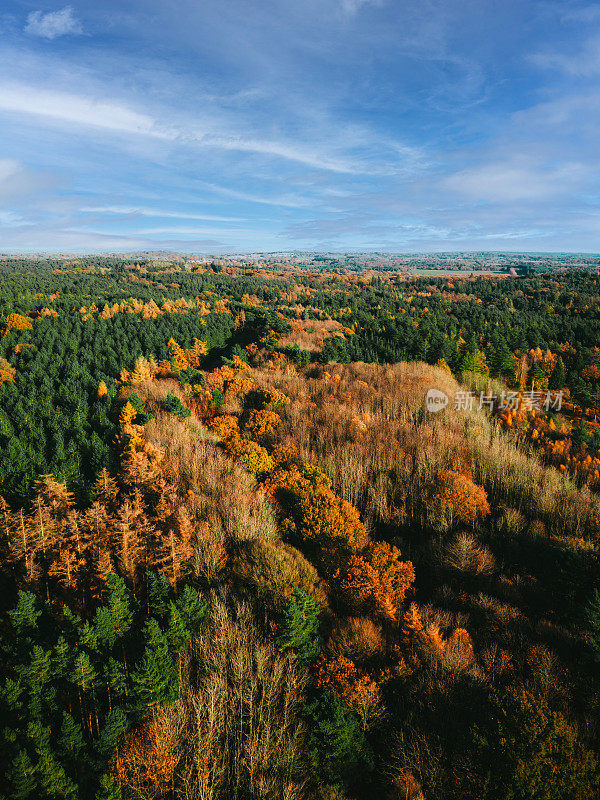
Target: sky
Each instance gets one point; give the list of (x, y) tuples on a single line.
[(271, 125)]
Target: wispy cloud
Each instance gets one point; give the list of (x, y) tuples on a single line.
[(76, 109), (353, 6), (582, 61), (515, 179), (136, 211), (362, 123), (53, 23)]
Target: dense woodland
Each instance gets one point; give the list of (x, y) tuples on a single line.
[(240, 559)]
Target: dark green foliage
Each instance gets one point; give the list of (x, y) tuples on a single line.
[(558, 376), (337, 748), (527, 751), (142, 417), (159, 593), (297, 355), (192, 609), (580, 435), (174, 406), (217, 398), (71, 687), (155, 678), (299, 628)]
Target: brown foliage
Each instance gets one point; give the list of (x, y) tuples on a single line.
[(145, 762)]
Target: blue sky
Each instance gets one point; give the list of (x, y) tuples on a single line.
[(316, 125)]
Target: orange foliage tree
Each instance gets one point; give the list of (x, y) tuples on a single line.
[(457, 498), (313, 513), (17, 322), (376, 580), (341, 676)]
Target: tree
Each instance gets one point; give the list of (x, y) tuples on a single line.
[(299, 627), (375, 580), (337, 748), (557, 378), (174, 406), (457, 498), (528, 751), (154, 678), (315, 514), (22, 774)]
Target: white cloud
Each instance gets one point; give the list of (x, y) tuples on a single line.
[(8, 168), (505, 181), (76, 109), (113, 116), (53, 23)]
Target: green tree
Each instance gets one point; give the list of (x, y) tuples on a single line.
[(336, 746), (528, 751), (155, 678), (557, 378), (22, 775), (299, 628)]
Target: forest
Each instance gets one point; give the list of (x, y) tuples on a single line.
[(241, 559)]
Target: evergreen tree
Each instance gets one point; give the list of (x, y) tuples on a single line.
[(155, 678), (22, 774), (299, 628), (557, 378), (337, 748), (159, 594), (109, 789), (192, 608), (114, 620)]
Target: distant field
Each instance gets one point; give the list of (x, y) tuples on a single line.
[(444, 273)]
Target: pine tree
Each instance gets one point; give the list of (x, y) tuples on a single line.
[(557, 378), (22, 774), (70, 742), (113, 621), (177, 632), (154, 679), (159, 594), (337, 747), (115, 724), (299, 628), (25, 616), (192, 608)]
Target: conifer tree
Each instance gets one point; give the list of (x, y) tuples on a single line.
[(159, 593), (557, 378), (154, 679), (192, 609), (299, 629), (109, 789), (22, 774)]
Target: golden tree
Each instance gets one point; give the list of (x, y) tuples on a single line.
[(457, 498)]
